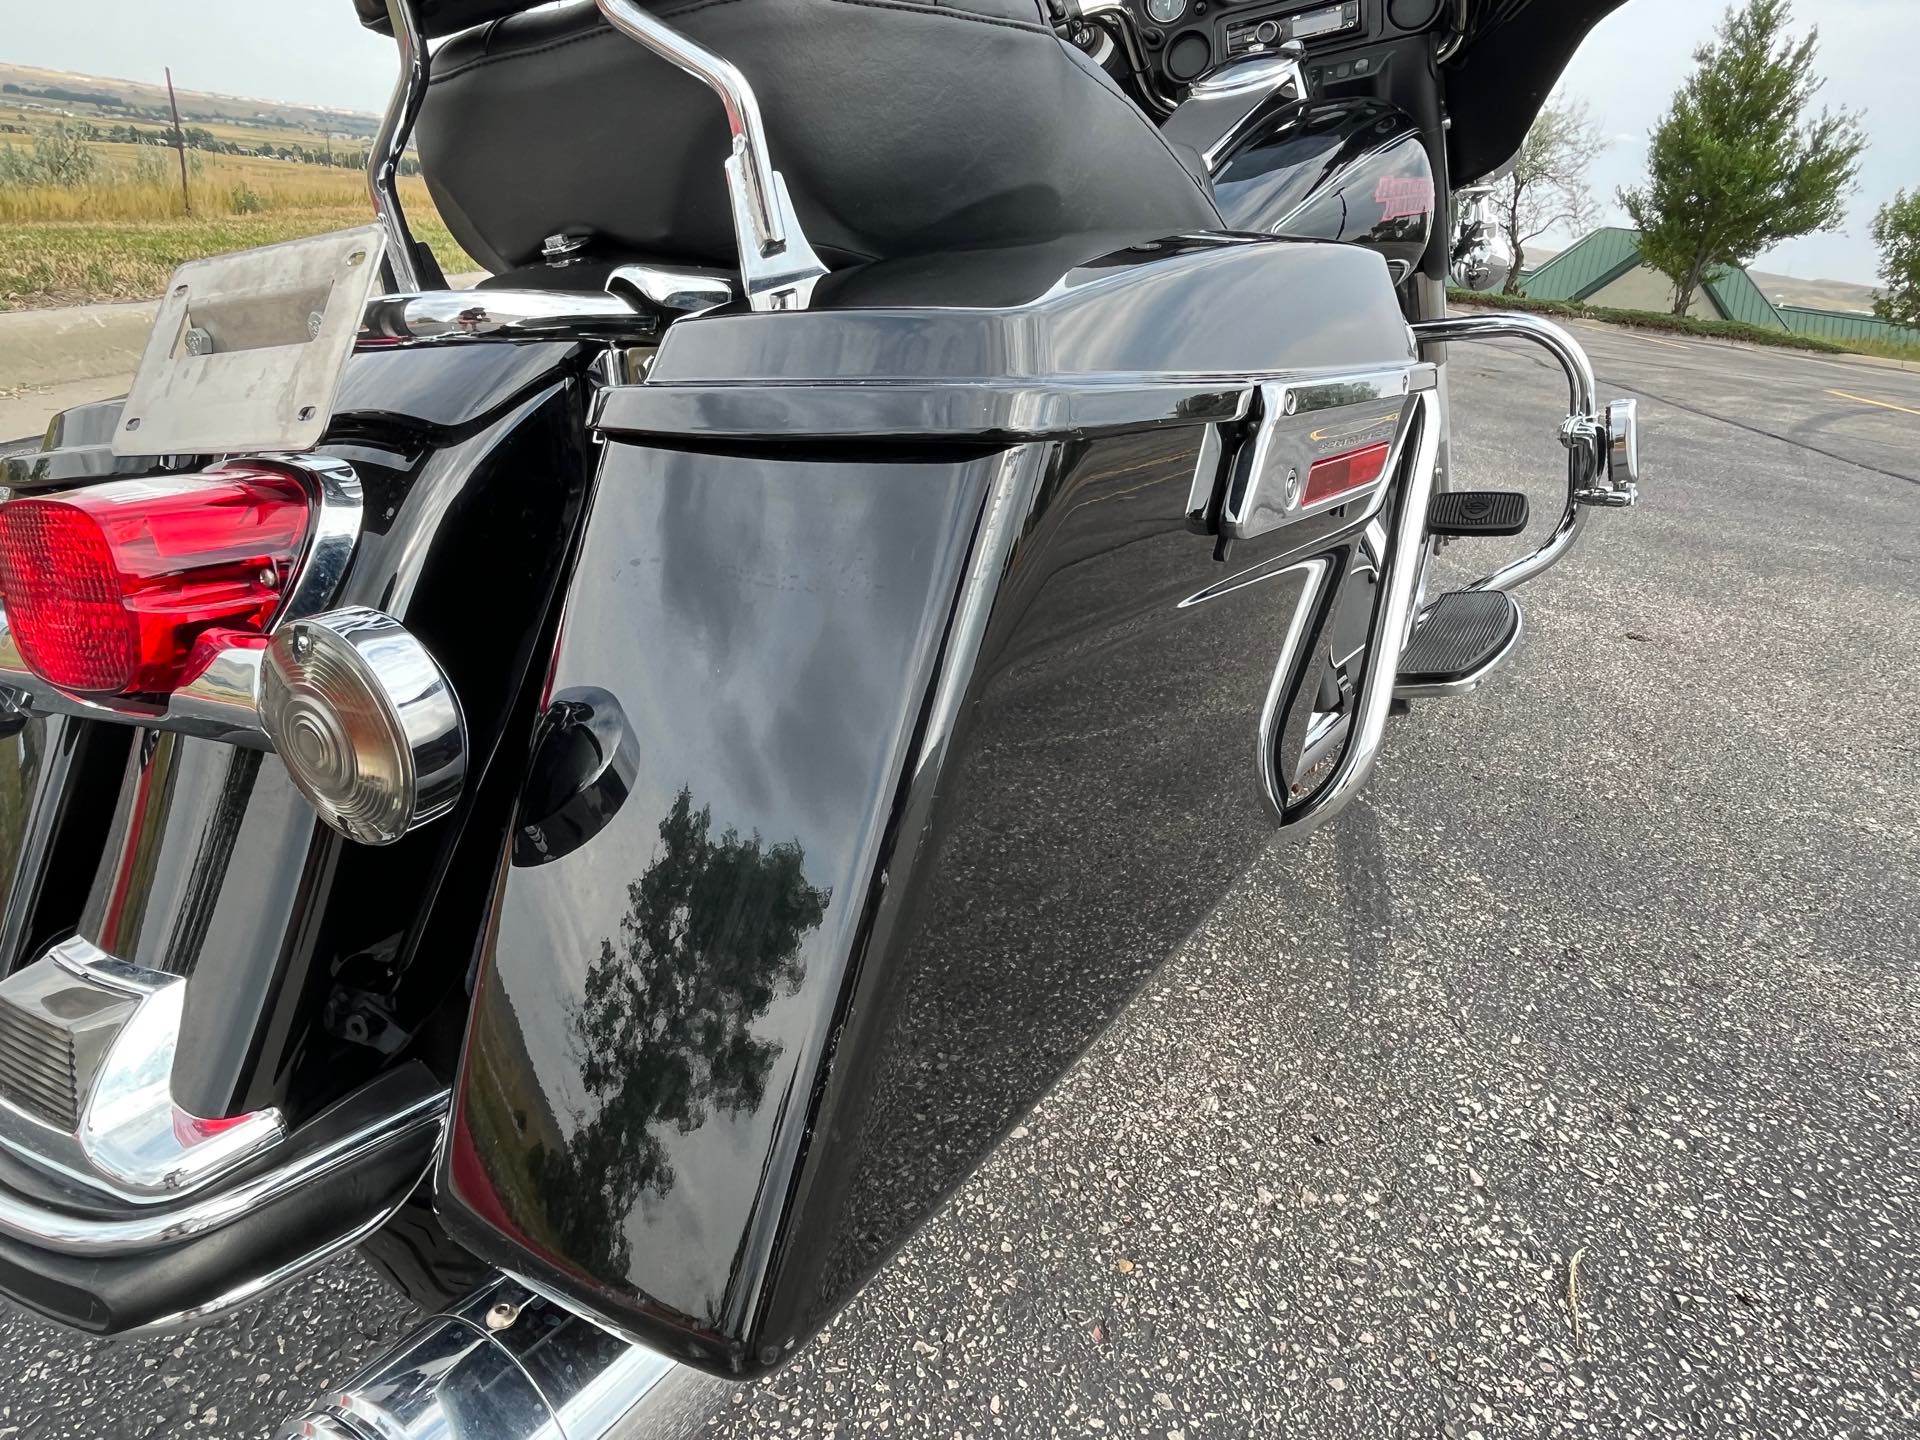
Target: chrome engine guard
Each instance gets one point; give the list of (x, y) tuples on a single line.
[(1603, 445)]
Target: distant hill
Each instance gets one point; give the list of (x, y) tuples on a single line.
[(1781, 289), (92, 97), (1815, 294)]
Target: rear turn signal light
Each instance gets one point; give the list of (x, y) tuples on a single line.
[(1339, 475), (365, 722), (108, 588)]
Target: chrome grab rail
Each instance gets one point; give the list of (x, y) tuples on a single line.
[(396, 128), (1603, 465), (778, 268), (434, 316)]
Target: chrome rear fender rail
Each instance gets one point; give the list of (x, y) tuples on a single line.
[(1402, 541)]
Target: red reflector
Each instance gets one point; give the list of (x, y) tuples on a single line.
[(107, 588), (1341, 474)]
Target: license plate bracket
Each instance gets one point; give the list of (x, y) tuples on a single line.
[(247, 350)]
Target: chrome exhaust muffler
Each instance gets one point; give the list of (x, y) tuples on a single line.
[(505, 1364)]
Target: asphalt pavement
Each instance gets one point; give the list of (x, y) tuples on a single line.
[(1567, 1086)]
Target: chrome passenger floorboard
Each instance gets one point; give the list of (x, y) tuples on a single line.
[(1459, 514), (1462, 638)]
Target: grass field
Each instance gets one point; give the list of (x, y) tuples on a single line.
[(114, 226)]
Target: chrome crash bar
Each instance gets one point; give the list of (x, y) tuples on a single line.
[(1603, 448)]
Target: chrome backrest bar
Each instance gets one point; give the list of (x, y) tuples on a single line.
[(777, 266), (396, 128)]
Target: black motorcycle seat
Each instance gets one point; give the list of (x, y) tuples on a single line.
[(901, 128)]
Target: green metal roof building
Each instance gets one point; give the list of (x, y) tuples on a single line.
[(1605, 269)]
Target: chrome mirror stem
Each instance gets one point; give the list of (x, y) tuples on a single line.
[(396, 128), (778, 268)]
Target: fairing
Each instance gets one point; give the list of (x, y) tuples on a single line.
[(1349, 170)]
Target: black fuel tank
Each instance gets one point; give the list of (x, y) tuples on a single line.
[(1351, 170)]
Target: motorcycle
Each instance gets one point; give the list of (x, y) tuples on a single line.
[(609, 792)]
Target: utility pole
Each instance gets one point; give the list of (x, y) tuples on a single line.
[(179, 143)]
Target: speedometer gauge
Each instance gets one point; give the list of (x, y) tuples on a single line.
[(1166, 11)]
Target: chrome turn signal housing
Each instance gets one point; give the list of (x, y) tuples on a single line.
[(365, 721)]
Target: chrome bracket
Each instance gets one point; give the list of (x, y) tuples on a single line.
[(1608, 447), (1603, 445), (1396, 547), (778, 268), (87, 1043)]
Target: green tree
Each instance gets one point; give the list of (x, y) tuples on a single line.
[(665, 1032), (1740, 163), (1548, 184), (1896, 230)]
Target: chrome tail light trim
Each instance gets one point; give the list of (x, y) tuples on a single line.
[(222, 701), (396, 128)]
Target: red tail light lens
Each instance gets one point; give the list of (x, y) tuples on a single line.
[(108, 588), (1343, 474)]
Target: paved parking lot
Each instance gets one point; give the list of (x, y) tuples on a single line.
[(1567, 1086)]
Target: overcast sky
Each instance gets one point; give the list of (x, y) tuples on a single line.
[(313, 50)]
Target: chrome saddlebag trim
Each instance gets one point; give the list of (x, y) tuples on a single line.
[(1403, 540)]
